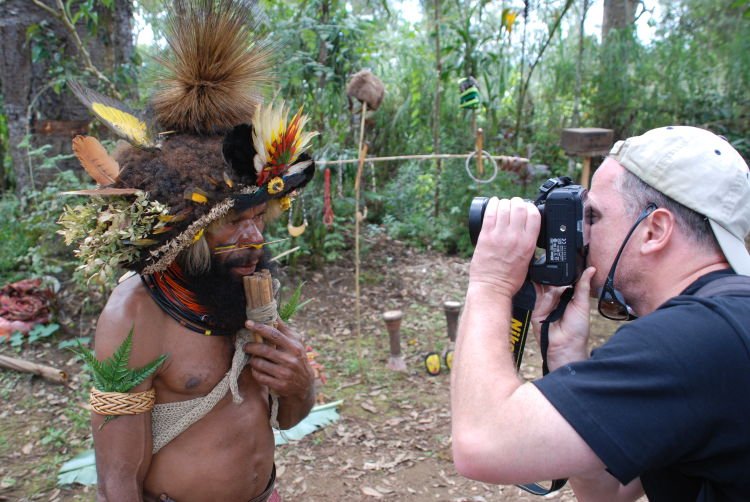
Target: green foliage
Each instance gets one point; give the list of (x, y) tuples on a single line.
[(113, 374), (292, 306), (38, 333), (108, 232), (28, 226)]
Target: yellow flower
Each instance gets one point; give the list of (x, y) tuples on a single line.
[(285, 203), (275, 185)]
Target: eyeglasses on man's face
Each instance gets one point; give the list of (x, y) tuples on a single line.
[(611, 303)]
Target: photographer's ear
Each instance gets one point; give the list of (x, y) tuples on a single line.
[(659, 228)]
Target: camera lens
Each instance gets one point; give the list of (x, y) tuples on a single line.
[(476, 216)]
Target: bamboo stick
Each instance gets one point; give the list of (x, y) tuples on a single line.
[(357, 180), (46, 372), (504, 159), (258, 292)]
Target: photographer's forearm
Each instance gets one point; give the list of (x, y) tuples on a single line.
[(483, 374)]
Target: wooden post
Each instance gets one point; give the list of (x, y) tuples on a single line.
[(392, 320), (586, 172), (452, 310), (586, 142)]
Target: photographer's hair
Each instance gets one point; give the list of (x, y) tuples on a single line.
[(637, 195)]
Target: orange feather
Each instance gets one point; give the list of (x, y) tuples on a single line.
[(95, 192), (95, 160)]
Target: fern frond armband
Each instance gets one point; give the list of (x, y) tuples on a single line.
[(121, 403)]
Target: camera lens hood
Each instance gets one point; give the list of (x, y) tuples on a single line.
[(476, 216)]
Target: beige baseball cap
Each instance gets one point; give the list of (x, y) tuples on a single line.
[(702, 171)]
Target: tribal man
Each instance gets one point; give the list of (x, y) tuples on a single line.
[(185, 210)]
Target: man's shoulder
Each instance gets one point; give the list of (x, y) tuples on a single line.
[(692, 326), (129, 307), (129, 298)]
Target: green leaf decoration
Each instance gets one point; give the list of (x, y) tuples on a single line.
[(113, 374), (288, 309)]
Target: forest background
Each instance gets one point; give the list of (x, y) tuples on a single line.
[(541, 66)]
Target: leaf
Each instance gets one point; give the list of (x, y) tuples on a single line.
[(371, 492), (80, 469), (119, 362), (288, 309), (113, 374), (139, 375), (95, 367), (319, 417)]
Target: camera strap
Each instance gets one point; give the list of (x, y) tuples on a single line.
[(523, 306)]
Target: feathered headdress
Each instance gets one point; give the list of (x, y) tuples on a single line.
[(208, 145)]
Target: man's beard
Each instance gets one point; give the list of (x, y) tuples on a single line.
[(222, 292)]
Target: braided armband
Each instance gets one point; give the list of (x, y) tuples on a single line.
[(121, 403)]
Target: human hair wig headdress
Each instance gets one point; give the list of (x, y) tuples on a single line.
[(207, 145)]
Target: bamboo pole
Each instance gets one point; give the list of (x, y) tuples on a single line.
[(436, 112), (46, 372), (504, 159), (479, 148), (258, 292), (357, 182)]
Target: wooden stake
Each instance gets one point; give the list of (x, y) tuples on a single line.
[(586, 172), (479, 149), (357, 182), (46, 372)]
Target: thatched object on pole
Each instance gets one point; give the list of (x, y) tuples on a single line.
[(367, 88)]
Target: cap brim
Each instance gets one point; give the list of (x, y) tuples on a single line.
[(733, 248)]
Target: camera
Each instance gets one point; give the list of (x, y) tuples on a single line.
[(561, 236)]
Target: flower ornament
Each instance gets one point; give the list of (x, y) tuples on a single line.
[(285, 203), (275, 186)]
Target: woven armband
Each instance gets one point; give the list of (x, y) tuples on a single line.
[(121, 403)]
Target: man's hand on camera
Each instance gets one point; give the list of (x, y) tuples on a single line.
[(505, 245), (568, 337)]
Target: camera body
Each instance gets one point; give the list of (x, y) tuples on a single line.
[(561, 236)]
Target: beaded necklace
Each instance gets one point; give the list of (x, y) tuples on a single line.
[(170, 291)]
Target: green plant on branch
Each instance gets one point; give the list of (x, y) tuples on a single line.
[(113, 373), (288, 309)]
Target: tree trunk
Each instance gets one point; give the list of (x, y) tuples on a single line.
[(30, 103), (15, 78), (618, 14)]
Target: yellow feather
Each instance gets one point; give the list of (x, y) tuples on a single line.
[(134, 129)]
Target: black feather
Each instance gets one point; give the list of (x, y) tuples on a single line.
[(239, 151)]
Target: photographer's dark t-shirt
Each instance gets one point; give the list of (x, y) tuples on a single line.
[(667, 398)]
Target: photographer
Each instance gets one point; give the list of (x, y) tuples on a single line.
[(663, 406)]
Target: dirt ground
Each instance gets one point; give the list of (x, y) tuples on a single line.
[(393, 439)]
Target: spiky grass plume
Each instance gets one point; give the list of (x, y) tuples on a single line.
[(217, 67)]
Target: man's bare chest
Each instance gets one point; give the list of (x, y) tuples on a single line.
[(195, 365)]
